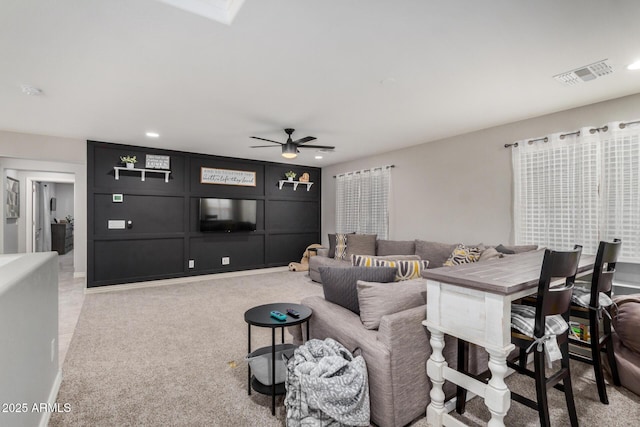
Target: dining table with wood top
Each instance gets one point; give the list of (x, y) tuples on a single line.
[(473, 302)]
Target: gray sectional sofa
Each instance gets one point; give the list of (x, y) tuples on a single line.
[(396, 351)]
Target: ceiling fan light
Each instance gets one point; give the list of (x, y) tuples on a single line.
[(289, 151)]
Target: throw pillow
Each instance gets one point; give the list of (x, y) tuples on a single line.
[(341, 246), (396, 247), (406, 269), (361, 244), (463, 255), (332, 245), (340, 284), (490, 253), (436, 253), (504, 250), (380, 299)]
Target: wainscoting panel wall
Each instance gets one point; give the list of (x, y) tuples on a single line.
[(149, 229)]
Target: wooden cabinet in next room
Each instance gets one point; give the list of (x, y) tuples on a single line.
[(61, 238)]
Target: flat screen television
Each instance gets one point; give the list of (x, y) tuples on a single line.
[(227, 215)]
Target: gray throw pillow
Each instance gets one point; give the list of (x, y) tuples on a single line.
[(340, 284), (396, 247), (504, 250), (332, 245), (436, 253), (380, 299), (361, 244)]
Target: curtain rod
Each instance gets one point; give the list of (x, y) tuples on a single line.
[(604, 128), (367, 170)]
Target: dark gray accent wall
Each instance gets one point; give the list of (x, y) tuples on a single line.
[(164, 233)]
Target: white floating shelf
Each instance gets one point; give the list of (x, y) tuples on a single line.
[(142, 172), (294, 183)]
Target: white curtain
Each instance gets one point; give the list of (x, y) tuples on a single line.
[(579, 188), (362, 202)]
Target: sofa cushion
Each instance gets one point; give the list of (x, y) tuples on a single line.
[(515, 249), (436, 253), (406, 268), (396, 247), (360, 244), (340, 284), (463, 255), (379, 299)]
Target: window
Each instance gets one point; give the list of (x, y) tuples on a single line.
[(362, 202), (579, 188)]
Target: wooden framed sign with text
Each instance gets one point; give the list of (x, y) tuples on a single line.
[(227, 177)]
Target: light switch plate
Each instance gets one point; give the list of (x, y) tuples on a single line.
[(117, 198)]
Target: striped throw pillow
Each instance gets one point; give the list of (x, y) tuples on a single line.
[(405, 269), (463, 255)]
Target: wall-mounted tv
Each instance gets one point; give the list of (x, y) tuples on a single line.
[(227, 215)]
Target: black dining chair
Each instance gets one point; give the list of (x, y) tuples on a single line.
[(535, 328), (592, 303)]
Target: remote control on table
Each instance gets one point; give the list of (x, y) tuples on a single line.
[(277, 315), (291, 312)]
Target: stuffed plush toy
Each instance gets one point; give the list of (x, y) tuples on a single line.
[(303, 265), (304, 177)]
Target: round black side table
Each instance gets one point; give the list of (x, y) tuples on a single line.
[(261, 316)]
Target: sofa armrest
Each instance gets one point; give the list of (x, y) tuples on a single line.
[(323, 252)]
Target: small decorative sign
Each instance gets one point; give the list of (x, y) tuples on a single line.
[(227, 177), (157, 162)]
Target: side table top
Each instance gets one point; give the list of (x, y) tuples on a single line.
[(260, 315)]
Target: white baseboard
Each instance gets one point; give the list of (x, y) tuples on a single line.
[(179, 280), (79, 274), (53, 395)]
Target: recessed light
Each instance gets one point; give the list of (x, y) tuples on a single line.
[(318, 157), (634, 66), (31, 90), (153, 134)]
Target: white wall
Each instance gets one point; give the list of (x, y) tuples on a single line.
[(64, 200), (459, 189), (39, 153), (29, 365)]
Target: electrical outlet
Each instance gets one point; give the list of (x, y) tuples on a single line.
[(53, 349), (225, 260), (192, 263)]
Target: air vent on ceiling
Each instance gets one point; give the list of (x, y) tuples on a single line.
[(584, 74)]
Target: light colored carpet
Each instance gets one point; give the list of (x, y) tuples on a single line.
[(174, 355)]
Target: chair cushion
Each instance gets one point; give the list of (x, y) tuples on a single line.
[(340, 284), (523, 320), (582, 296)]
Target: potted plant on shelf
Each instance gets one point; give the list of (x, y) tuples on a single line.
[(290, 175), (129, 161)]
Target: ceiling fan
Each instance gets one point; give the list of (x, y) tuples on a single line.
[(290, 148)]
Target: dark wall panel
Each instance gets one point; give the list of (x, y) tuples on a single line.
[(292, 215), (148, 214), (165, 231), (106, 156), (245, 250), (117, 260), (284, 248)]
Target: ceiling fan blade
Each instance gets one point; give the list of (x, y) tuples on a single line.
[(269, 140), (325, 147), (305, 139), (264, 146)]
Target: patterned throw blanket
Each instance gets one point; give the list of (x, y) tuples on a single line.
[(326, 386)]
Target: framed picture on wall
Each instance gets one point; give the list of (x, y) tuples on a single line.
[(13, 198)]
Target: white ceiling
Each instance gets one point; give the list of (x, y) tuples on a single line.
[(367, 76)]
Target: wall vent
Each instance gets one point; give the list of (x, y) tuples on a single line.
[(584, 74)]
